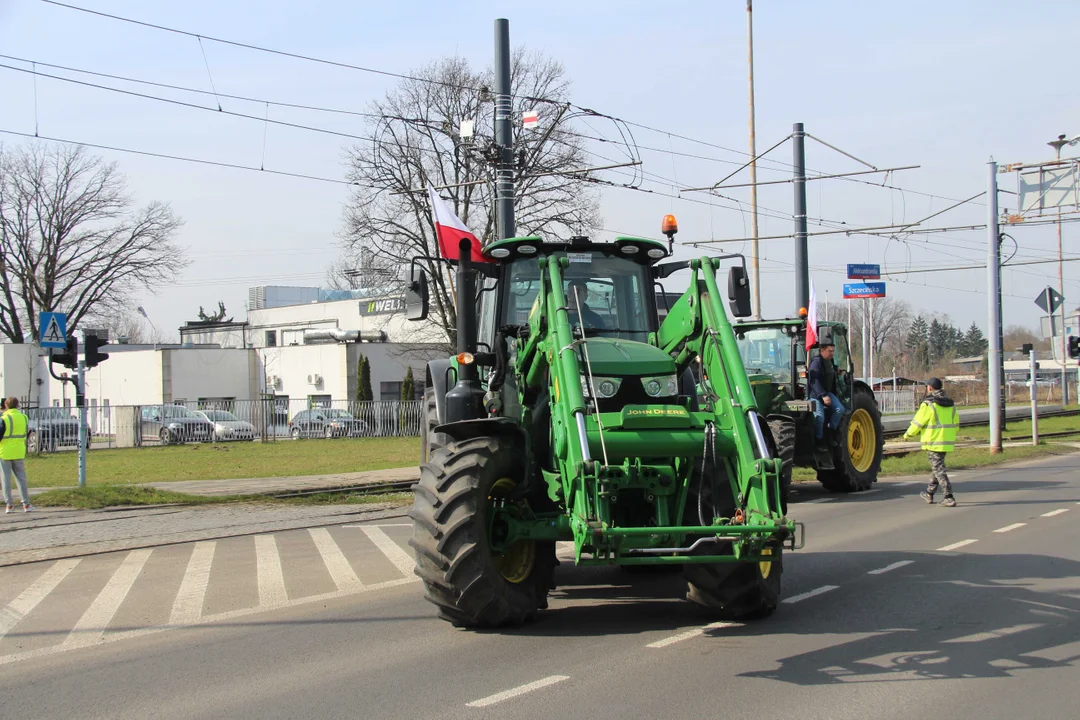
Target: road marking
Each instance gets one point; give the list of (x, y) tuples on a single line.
[(993, 634), (816, 501), (393, 552), (271, 579), (336, 563), (379, 525), (93, 623), (813, 593), (956, 545), (1052, 513), (1009, 528), (689, 634), (902, 483), (887, 568), (868, 492), (188, 605), (17, 609), (515, 692)]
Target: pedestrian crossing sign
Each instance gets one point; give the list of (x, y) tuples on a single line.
[(53, 330)]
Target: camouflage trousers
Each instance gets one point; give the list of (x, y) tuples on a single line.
[(938, 476)]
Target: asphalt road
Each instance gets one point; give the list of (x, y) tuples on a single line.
[(894, 609)]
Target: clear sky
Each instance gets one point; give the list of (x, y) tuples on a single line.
[(944, 85)]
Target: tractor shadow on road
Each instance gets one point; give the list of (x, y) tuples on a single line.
[(942, 617)]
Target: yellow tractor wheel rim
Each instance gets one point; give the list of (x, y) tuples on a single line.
[(862, 440), (765, 566), (516, 563)]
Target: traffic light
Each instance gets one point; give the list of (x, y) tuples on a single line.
[(1074, 346), (69, 358), (91, 343)]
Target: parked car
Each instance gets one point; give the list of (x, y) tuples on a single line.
[(328, 423), (53, 427), (227, 426), (175, 424)]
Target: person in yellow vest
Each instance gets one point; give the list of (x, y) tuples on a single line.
[(13, 452), (936, 422)]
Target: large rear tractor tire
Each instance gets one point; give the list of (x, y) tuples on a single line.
[(861, 441), (471, 585), (783, 432), (430, 441)]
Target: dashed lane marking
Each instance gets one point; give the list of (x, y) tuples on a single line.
[(515, 692), (813, 593), (1010, 528), (1052, 513), (817, 501), (888, 568), (689, 634), (956, 545)]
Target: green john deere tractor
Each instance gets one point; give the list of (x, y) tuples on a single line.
[(570, 414), (774, 354)]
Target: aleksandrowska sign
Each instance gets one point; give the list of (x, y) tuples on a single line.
[(386, 306)]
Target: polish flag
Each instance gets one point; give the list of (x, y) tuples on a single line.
[(530, 119), (811, 319), (450, 231)]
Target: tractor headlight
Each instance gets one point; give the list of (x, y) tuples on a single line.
[(606, 387), (661, 385)]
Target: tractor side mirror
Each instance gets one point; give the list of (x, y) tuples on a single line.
[(416, 295), (738, 290), (825, 335)]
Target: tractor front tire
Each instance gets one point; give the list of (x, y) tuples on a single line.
[(469, 584), (783, 432), (736, 591), (860, 442)]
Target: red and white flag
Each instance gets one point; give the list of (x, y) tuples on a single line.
[(811, 319), (450, 230), (530, 118)]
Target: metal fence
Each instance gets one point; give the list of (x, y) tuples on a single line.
[(268, 420), (901, 400)]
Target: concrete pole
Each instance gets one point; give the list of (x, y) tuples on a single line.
[(80, 400), (1061, 289), (1034, 401), (505, 225), (754, 262), (873, 373), (802, 258), (865, 341), (993, 292)]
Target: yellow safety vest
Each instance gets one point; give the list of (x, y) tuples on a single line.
[(13, 444), (938, 426)]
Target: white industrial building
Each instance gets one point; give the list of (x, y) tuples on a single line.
[(298, 345)]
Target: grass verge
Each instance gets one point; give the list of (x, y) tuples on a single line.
[(95, 497), (222, 461), (960, 459)]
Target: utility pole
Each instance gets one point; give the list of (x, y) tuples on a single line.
[(1035, 400), (802, 257), (504, 135), (1057, 145), (754, 262), (80, 402), (866, 370), (994, 360), (872, 369)]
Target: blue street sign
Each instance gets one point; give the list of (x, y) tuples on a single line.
[(53, 327), (863, 272), (856, 291)]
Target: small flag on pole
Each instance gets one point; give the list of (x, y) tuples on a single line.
[(530, 119), (811, 319), (450, 230)]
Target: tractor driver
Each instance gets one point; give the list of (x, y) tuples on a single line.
[(822, 377), (577, 292)]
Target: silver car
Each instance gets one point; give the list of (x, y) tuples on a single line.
[(227, 427), (52, 427), (174, 424)]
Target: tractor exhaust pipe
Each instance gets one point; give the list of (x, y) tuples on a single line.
[(465, 401)]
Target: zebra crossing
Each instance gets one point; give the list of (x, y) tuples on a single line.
[(58, 606)]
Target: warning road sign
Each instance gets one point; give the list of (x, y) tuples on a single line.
[(53, 330)]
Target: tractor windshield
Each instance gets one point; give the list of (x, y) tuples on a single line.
[(611, 292), (766, 351)]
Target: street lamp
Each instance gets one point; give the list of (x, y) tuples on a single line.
[(1057, 145)]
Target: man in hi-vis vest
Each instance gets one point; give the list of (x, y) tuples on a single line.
[(936, 422), (13, 452)]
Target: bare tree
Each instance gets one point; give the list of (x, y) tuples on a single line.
[(72, 240), (132, 327), (416, 142)]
